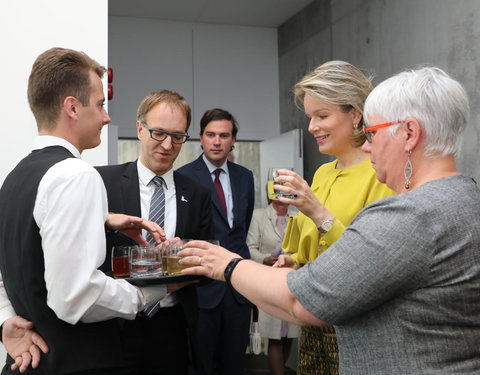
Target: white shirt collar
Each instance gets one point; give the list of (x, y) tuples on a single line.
[(146, 175), (43, 141), (212, 168)]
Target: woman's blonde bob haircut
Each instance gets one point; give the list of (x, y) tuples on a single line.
[(337, 82)]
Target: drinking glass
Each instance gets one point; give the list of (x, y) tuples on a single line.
[(146, 261), (164, 257), (121, 261), (171, 250), (274, 194)]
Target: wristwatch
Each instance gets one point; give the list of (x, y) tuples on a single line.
[(326, 226)]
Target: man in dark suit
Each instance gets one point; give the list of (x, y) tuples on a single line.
[(224, 315), (161, 344)]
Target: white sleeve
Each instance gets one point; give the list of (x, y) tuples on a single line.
[(6, 309), (70, 210)]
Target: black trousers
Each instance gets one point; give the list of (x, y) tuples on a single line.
[(153, 346), (158, 345), (223, 334)]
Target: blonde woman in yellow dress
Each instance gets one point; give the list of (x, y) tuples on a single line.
[(332, 96)]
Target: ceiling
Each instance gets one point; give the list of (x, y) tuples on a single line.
[(261, 13)]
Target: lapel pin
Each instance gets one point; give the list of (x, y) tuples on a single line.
[(183, 199)]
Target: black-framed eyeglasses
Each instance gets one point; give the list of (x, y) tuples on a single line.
[(161, 135), (370, 131)]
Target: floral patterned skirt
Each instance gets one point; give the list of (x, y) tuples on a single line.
[(318, 351)]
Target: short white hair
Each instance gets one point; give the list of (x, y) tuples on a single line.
[(428, 94)]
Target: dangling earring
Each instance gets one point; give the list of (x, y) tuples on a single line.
[(355, 126), (408, 171)]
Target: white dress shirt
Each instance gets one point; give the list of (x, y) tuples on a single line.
[(147, 188), (224, 178), (70, 210)]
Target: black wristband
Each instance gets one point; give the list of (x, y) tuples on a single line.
[(229, 269)]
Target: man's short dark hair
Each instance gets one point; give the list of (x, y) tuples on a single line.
[(217, 114)]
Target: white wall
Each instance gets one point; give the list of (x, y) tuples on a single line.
[(27, 28), (231, 67)]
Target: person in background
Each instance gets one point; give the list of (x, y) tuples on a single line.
[(224, 314), (401, 285), (264, 241), (163, 118), (333, 96), (53, 222)]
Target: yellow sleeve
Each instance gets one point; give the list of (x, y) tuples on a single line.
[(291, 238), (344, 193), (348, 194)]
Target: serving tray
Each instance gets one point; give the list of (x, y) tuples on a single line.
[(167, 279)]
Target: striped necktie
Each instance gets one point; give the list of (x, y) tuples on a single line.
[(157, 214), (157, 206)]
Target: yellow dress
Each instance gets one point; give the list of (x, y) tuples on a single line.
[(344, 192)]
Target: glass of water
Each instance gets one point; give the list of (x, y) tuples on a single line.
[(145, 261), (274, 194)]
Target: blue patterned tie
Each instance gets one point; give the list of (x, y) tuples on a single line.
[(157, 206), (157, 214)]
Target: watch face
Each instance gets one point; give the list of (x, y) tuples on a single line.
[(327, 225)]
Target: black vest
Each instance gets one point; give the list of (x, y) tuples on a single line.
[(79, 347)]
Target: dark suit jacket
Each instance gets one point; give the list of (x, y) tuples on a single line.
[(194, 219), (235, 238)]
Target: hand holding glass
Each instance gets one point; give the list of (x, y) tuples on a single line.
[(274, 194), (171, 251), (171, 258)]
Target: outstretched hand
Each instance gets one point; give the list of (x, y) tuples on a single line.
[(132, 226), (23, 344), (206, 259)]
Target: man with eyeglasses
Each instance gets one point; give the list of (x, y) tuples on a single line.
[(160, 344)]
